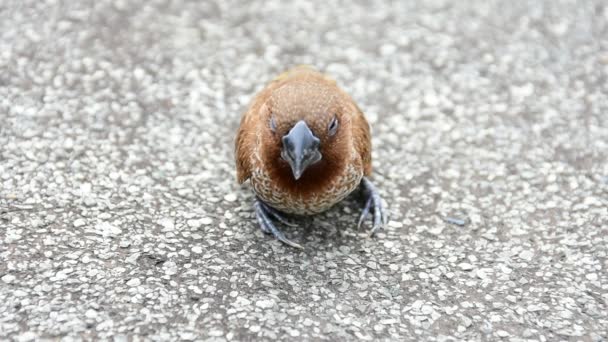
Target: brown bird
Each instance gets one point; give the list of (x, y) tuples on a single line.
[(304, 145)]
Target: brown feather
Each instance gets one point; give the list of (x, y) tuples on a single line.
[(363, 140), (303, 94)]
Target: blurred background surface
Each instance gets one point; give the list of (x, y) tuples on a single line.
[(121, 216)]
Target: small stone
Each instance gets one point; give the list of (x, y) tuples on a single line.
[(456, 221), (231, 197), (255, 328), (483, 273), (170, 268), (265, 304), (527, 333), (167, 223), (107, 229), (395, 224), (426, 309), (206, 221), (388, 49), (90, 202), (134, 282), (8, 278), (216, 332), (526, 255), (132, 259), (436, 230), (465, 266), (197, 249), (120, 338), (20, 293), (193, 223), (431, 99), (79, 223), (486, 327), (591, 276), (502, 333), (243, 301), (522, 91), (91, 314), (27, 336)]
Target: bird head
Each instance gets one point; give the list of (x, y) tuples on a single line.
[(308, 133)]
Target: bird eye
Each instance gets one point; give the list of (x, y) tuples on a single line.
[(333, 126), (273, 124)]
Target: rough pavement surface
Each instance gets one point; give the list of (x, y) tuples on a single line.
[(121, 215)]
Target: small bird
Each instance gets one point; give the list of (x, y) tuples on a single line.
[(305, 145)]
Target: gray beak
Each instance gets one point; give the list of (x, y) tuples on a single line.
[(300, 149)]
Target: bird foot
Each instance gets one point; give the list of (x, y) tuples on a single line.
[(372, 202), (264, 212)]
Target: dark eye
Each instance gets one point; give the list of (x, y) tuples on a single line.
[(273, 124), (333, 126)]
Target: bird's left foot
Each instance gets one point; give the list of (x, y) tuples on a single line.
[(264, 212), (372, 202)]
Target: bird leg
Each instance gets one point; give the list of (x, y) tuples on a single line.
[(264, 212), (372, 202)]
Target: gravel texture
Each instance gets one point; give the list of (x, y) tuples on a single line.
[(120, 215)]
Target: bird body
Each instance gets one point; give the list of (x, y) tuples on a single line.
[(303, 143)]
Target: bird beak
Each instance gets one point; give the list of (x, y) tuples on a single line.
[(300, 148)]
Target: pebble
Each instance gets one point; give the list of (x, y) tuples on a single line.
[(502, 333), (526, 255), (395, 224), (231, 197), (167, 223), (265, 304), (591, 276), (27, 336), (8, 278), (205, 221), (79, 223), (170, 268), (107, 229), (465, 266), (134, 282), (91, 314), (255, 328)]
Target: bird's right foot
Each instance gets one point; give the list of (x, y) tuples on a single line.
[(263, 213), (372, 202)]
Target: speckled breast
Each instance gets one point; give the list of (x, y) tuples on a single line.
[(315, 203)]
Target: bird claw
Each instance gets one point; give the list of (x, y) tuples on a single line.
[(278, 216), (263, 213), (373, 201)]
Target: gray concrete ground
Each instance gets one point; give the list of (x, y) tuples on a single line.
[(121, 216)]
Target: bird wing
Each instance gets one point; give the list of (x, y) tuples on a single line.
[(363, 141), (245, 140)]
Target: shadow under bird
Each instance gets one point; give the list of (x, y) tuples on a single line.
[(305, 145)]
